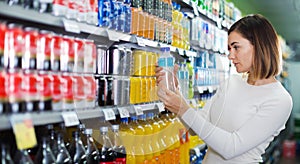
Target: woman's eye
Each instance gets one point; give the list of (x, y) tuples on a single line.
[(235, 47)]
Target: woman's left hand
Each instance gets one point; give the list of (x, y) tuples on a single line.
[(173, 101)]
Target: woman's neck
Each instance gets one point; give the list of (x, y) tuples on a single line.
[(258, 82)]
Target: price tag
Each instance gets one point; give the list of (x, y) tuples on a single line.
[(200, 89), (194, 103), (140, 41), (161, 107), (210, 89), (124, 112), (70, 118), (113, 35), (71, 26), (150, 43), (186, 1), (191, 53), (109, 114), (181, 51), (24, 131), (138, 110)]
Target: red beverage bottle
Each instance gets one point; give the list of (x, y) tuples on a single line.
[(14, 37), (107, 155), (31, 40), (44, 50), (3, 29)]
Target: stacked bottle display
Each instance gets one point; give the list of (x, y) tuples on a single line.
[(157, 20), (143, 82), (41, 70), (149, 138)]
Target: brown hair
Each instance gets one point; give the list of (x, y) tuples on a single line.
[(262, 35)]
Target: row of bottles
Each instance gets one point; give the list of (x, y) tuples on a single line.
[(207, 35), (154, 139), (32, 91), (81, 147), (145, 139), (29, 48), (159, 20)]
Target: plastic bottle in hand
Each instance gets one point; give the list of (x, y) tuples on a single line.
[(166, 61)]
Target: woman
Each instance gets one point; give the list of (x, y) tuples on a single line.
[(245, 114)]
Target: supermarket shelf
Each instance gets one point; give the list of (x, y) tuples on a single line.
[(19, 12), (49, 117), (73, 26)]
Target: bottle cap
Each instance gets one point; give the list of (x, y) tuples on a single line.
[(165, 49), (103, 129), (115, 127), (88, 131)]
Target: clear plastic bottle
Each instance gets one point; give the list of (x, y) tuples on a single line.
[(92, 151), (186, 81), (166, 61), (22, 157), (105, 147), (181, 79), (118, 146), (63, 155), (52, 139), (76, 149), (5, 157), (44, 154)]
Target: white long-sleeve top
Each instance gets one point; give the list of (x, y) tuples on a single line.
[(240, 121)]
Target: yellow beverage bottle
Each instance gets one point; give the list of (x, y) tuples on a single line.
[(144, 91), (148, 88), (128, 139), (139, 63), (138, 90), (147, 138), (132, 92), (161, 139), (157, 159), (170, 137), (137, 131), (153, 90), (177, 129)]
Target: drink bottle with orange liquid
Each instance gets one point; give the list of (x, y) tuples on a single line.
[(137, 132), (147, 138), (162, 136), (126, 135), (157, 150)]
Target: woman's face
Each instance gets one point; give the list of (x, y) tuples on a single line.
[(241, 52)]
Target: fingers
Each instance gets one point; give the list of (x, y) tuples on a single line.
[(176, 67), (157, 68)]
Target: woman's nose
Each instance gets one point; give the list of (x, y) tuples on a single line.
[(231, 56)]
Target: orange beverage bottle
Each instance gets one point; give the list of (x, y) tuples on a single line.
[(157, 150), (147, 138), (127, 136), (134, 20), (137, 131)]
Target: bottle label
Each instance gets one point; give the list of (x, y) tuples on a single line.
[(162, 62), (120, 160), (170, 61)]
